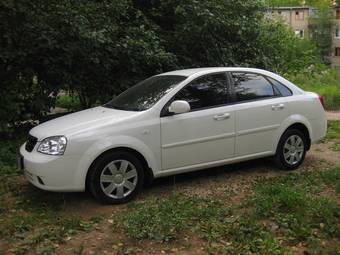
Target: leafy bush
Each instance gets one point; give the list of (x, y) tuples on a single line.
[(99, 48), (286, 53), (69, 102), (322, 80)]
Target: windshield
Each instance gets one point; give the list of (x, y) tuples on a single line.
[(146, 93)]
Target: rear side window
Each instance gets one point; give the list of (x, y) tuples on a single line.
[(204, 92), (250, 86), (281, 89)]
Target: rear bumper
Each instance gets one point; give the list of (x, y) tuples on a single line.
[(52, 173), (319, 128)]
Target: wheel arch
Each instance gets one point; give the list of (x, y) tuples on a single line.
[(149, 176), (303, 128)]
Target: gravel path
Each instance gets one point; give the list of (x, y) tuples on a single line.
[(333, 115)]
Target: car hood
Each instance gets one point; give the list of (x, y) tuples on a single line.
[(81, 120)]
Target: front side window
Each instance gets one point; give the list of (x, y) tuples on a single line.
[(146, 93), (207, 91), (250, 86)]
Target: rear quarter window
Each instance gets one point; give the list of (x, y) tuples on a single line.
[(280, 88)]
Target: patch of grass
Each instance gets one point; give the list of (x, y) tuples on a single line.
[(297, 208), (283, 212), (332, 177), (248, 236), (69, 102), (336, 146), (42, 230), (162, 219), (333, 129)]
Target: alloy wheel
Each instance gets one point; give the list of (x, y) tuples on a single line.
[(118, 179), (293, 149)]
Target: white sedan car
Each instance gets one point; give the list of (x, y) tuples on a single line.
[(173, 123)]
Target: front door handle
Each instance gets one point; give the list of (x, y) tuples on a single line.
[(277, 107), (222, 116)]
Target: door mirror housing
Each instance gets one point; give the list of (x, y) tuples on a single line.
[(179, 106)]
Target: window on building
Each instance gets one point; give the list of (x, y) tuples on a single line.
[(337, 14), (337, 51), (299, 15), (299, 33), (337, 33)]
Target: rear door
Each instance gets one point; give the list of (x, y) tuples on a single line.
[(206, 133), (260, 109)]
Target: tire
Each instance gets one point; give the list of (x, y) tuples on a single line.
[(116, 177), (291, 150)]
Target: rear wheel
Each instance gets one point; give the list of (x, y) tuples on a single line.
[(291, 149), (117, 177)]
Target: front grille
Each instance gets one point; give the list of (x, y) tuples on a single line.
[(31, 142)]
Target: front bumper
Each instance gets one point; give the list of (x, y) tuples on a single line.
[(52, 173)]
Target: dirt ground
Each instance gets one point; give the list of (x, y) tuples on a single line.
[(234, 179), (335, 115)]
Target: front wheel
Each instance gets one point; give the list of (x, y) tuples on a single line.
[(291, 149), (116, 177)]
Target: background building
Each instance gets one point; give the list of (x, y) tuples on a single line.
[(297, 17)]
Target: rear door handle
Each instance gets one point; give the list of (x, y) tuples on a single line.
[(277, 107), (222, 116)]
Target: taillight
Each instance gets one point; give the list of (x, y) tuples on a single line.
[(321, 101)]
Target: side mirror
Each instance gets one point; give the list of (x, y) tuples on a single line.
[(179, 106)]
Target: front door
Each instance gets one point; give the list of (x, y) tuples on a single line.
[(206, 133)]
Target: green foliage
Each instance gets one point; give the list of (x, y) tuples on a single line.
[(69, 102), (95, 48), (322, 80), (321, 31), (286, 53), (333, 130), (98, 49)]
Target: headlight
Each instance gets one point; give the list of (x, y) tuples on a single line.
[(54, 145)]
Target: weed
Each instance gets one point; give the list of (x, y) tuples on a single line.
[(294, 208), (322, 80), (333, 130), (336, 146), (159, 219), (332, 177)]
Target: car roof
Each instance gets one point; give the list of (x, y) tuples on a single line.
[(206, 70)]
